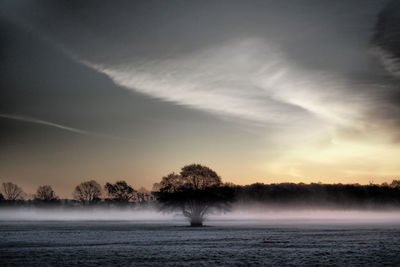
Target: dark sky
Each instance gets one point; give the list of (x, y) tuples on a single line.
[(265, 91)]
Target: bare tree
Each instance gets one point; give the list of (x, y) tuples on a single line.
[(12, 191), (120, 191), (195, 191), (88, 191), (45, 193)]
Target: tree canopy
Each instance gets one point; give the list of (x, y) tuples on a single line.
[(12, 191), (120, 191), (45, 193), (196, 191), (88, 191)]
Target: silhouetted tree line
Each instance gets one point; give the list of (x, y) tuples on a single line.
[(197, 187), (86, 193), (316, 194)]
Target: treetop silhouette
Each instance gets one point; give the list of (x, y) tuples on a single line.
[(196, 191)]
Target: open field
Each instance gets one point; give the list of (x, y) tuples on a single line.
[(42, 243)]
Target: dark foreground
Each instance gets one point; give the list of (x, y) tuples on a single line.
[(127, 243)]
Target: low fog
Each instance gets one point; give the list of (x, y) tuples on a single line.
[(239, 215)]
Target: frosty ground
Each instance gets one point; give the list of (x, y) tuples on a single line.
[(224, 241)]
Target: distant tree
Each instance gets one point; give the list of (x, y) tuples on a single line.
[(143, 195), (195, 191), (12, 191), (229, 184), (89, 191), (120, 191), (45, 193), (384, 184), (395, 183)]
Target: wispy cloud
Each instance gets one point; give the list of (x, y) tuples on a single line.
[(388, 60), (52, 124), (248, 79)]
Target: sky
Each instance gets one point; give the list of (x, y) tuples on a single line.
[(260, 91)]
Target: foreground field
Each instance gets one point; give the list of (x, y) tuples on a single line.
[(61, 243)]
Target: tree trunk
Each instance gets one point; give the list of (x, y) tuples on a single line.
[(196, 220), (196, 224)]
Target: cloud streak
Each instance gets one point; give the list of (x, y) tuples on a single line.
[(52, 124), (247, 79)]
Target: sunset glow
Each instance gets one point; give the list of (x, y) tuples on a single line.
[(256, 96)]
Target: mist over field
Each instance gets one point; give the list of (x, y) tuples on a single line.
[(239, 215)]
